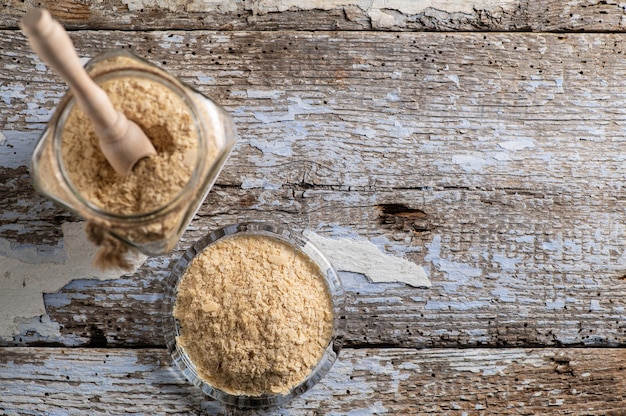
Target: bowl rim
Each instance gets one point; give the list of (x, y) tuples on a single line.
[(300, 243)]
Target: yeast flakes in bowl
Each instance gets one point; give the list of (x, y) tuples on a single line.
[(253, 315)]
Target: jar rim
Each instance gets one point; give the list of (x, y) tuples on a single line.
[(186, 190)]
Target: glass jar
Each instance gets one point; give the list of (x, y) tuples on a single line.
[(155, 229)]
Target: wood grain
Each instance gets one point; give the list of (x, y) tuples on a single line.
[(525, 15), (485, 145), (493, 160), (364, 381)]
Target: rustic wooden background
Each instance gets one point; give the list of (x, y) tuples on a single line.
[(485, 145)]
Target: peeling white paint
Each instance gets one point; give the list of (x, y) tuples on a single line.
[(408, 7), (29, 253), (174, 40), (39, 328), (23, 282), (366, 131), (264, 94), (238, 94), (517, 144), (273, 117), (455, 79), (383, 300), (12, 91), (381, 19), (501, 156), (595, 306), (205, 80), (35, 114), (361, 256), (360, 390), (382, 13), (458, 274), (296, 106), (357, 282), (479, 365), (274, 146), (504, 295), (572, 247), (553, 245), (219, 5), (376, 408), (530, 239), (507, 264), (556, 304), (135, 5), (460, 305), (252, 183), (469, 163)]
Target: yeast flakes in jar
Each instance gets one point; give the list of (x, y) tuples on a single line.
[(148, 210)]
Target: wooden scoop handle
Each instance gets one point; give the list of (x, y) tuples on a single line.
[(52, 43), (122, 142)]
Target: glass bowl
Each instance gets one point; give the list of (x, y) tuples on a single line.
[(172, 326)]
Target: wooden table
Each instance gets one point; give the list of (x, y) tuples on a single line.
[(482, 141)]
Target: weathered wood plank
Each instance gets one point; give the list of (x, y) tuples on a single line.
[(487, 302), (508, 146), (278, 15), (493, 299), (364, 381), (494, 160), (478, 110), (461, 15)]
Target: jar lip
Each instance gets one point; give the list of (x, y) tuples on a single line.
[(182, 94)]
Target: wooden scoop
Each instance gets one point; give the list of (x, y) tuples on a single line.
[(122, 141)]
